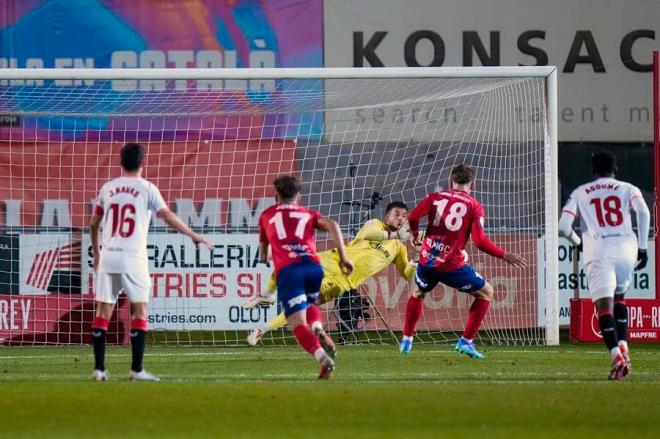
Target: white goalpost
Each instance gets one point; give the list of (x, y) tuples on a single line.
[(216, 138)]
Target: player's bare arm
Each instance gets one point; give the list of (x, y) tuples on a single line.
[(94, 226), (175, 222)]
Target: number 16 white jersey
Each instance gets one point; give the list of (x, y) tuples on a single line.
[(126, 204), (604, 208)]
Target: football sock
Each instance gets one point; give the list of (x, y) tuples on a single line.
[(413, 313), (277, 322), (138, 340), (99, 331), (314, 317), (476, 316), (306, 339), (608, 329), (621, 319)]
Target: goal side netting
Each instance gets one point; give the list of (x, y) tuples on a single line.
[(216, 139)]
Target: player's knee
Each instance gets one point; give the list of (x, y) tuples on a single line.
[(486, 292), (104, 310), (417, 293), (139, 310)]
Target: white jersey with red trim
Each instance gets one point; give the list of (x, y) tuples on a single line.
[(603, 206), (126, 204)]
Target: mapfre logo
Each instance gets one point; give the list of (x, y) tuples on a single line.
[(44, 264)]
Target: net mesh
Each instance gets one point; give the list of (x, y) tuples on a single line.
[(213, 149)]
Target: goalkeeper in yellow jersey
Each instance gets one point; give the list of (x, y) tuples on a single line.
[(377, 245)]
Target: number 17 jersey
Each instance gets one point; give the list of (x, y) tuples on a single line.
[(603, 206), (289, 229), (126, 204)]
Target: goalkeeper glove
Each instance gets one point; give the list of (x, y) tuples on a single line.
[(642, 259)]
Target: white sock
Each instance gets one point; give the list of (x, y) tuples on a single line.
[(469, 340), (407, 337), (623, 345), (316, 326), (614, 352), (319, 354), (267, 293)]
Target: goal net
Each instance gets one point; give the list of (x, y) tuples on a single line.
[(216, 139)]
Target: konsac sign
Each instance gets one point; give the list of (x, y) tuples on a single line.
[(603, 53)]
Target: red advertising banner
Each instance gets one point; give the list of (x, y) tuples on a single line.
[(56, 319), (54, 184), (643, 320), (515, 304)]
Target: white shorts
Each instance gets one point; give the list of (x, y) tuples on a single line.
[(109, 285), (609, 276)]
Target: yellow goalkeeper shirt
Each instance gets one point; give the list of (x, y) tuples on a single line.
[(368, 257)]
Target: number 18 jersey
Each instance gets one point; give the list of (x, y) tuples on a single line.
[(603, 206), (451, 214), (289, 229), (126, 204)]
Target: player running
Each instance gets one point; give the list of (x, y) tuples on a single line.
[(377, 245), (124, 208), (289, 229), (453, 215), (611, 249)]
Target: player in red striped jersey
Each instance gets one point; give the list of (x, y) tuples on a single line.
[(289, 229), (453, 216)]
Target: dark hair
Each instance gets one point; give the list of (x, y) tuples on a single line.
[(462, 174), (132, 155), (604, 163), (287, 186), (394, 205)]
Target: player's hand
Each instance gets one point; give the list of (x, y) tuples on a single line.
[(346, 266), (417, 243), (199, 239), (642, 259), (515, 260), (403, 231)]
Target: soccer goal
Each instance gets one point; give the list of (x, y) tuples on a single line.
[(216, 138)]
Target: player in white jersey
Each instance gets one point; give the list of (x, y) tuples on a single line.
[(612, 251), (123, 209)]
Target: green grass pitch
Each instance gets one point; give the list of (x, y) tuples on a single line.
[(518, 391)]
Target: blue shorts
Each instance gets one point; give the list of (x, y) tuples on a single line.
[(464, 279), (298, 284)]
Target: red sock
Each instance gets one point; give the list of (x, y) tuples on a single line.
[(413, 313), (478, 311), (100, 323), (306, 338), (313, 314)]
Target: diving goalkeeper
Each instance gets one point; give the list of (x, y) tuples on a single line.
[(377, 245)]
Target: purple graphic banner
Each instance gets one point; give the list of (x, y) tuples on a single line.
[(157, 34)]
